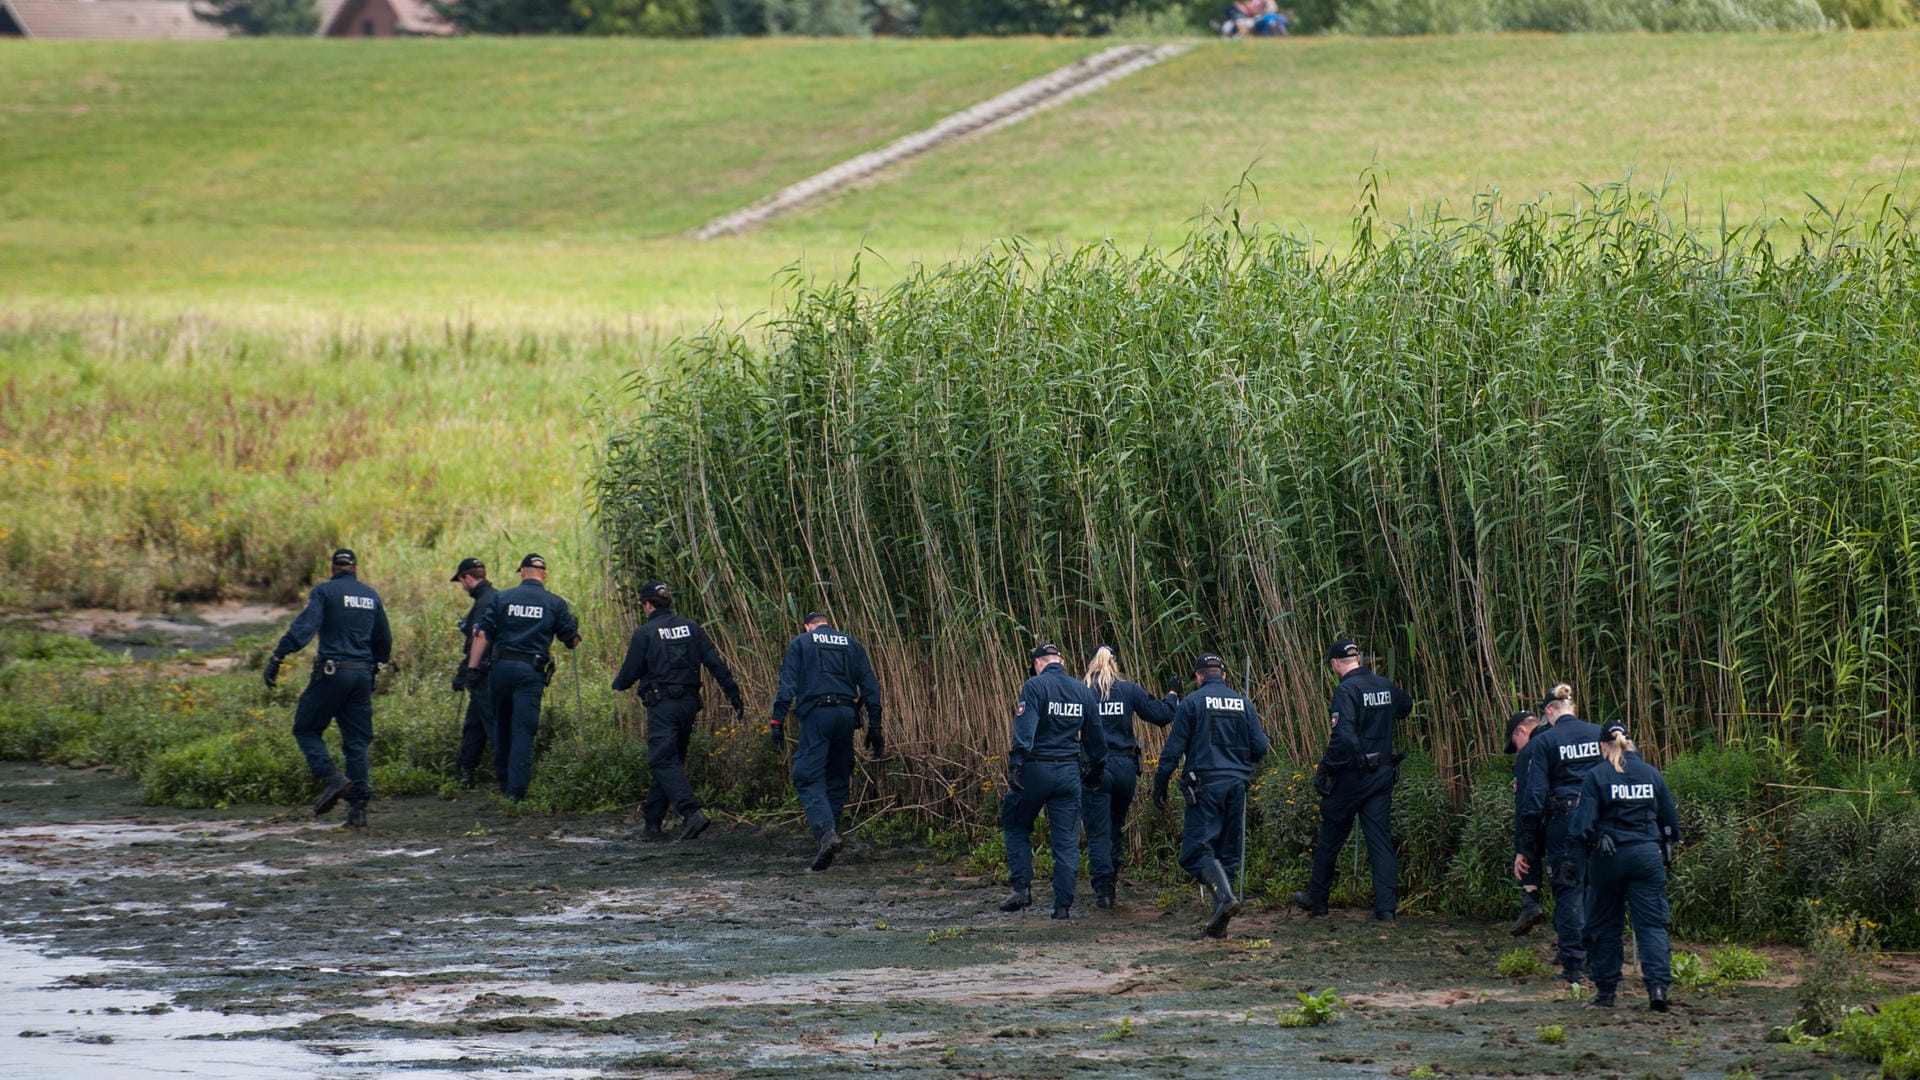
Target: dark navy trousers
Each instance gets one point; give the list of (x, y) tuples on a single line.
[(1211, 829), (515, 689), (1103, 809), (345, 698), (1633, 881), (1366, 797), (476, 731), (669, 729), (1054, 786), (823, 765), (1567, 873)]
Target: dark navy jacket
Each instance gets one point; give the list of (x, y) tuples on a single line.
[(669, 650), (1630, 806), (1119, 709), (825, 661), (526, 619), (1522, 761), (1056, 717), (482, 596), (1217, 731), (1567, 752), (350, 620), (1365, 707)]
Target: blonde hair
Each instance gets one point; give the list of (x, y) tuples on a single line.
[(1103, 671), (1561, 694), (1615, 750)]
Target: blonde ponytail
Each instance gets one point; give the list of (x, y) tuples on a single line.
[(1615, 751), (1103, 671)]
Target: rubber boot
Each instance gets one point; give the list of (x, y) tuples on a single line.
[(830, 845), (1103, 897), (1602, 998), (356, 817), (334, 786), (1017, 899), (1657, 999), (1062, 911), (695, 824), (653, 831), (1225, 904), (1531, 913), (1305, 903)]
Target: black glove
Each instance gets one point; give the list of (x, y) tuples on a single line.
[(1160, 795), (739, 712), (777, 734), (1322, 781), (876, 742), (459, 680), (271, 673), (1605, 845), (1091, 772), (1014, 767)]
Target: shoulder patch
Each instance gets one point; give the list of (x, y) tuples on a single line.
[(1020, 709)]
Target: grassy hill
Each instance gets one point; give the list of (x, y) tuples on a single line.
[(544, 180)]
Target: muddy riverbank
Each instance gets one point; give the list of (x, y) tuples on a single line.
[(457, 938)]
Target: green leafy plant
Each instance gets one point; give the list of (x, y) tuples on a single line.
[(1551, 1034), (1313, 1010), (1733, 964), (1121, 1030), (1890, 1037), (1689, 971), (1837, 971), (1521, 963)]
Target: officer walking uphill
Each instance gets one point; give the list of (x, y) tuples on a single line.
[(518, 629), (1058, 748), (824, 680), (1561, 757), (1217, 732), (663, 665), (1626, 818), (1356, 778), (1104, 806), (1521, 727), (355, 641), (477, 730)]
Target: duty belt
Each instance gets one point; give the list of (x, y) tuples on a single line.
[(1563, 804), (532, 658), (835, 701), (346, 665)]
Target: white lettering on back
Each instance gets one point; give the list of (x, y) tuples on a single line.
[(1579, 751), (675, 633), (364, 603), (1064, 708), (1226, 704), (525, 611), (830, 639), (1113, 708), (1375, 699), (1632, 792)]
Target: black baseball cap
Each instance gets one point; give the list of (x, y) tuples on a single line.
[(655, 590), (1613, 729), (344, 557), (1341, 649), (810, 616), (1097, 648), (1513, 725), (534, 561), (468, 565), (1046, 649), (1207, 661)]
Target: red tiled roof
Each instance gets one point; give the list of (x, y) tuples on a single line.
[(95, 19)]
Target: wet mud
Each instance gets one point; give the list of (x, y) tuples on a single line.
[(457, 938), (194, 628)]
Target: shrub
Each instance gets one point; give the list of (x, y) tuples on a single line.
[(1689, 972), (1836, 971), (1891, 1038), (1733, 964), (245, 766), (1522, 963), (1313, 1010), (606, 770), (1716, 780), (1724, 879), (1479, 877), (1551, 1034)]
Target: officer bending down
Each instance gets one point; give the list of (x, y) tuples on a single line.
[(1356, 778), (1217, 731), (824, 678), (663, 664), (1057, 748), (519, 626), (1521, 728), (1560, 759), (354, 642), (1626, 819), (477, 729)]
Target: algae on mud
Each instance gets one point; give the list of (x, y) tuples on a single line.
[(459, 938)]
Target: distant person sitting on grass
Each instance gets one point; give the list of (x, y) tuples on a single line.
[(1253, 18)]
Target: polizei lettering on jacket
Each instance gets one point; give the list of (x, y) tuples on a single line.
[(1227, 704), (830, 639), (1374, 699), (525, 611), (674, 633), (1113, 708), (1064, 708), (1631, 792), (1579, 751), (364, 603)]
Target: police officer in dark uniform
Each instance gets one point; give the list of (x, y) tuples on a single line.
[(518, 630), (1217, 732), (1627, 820), (477, 730), (1058, 747), (1549, 793), (1356, 778), (823, 679), (355, 642), (1103, 806), (1521, 727), (663, 665)]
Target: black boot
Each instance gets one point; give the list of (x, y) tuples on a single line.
[(1530, 913), (1103, 897), (695, 824), (1225, 904), (1062, 911), (1305, 903), (1017, 899), (334, 786), (356, 817), (1657, 999), (830, 845), (1602, 998), (653, 831)]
